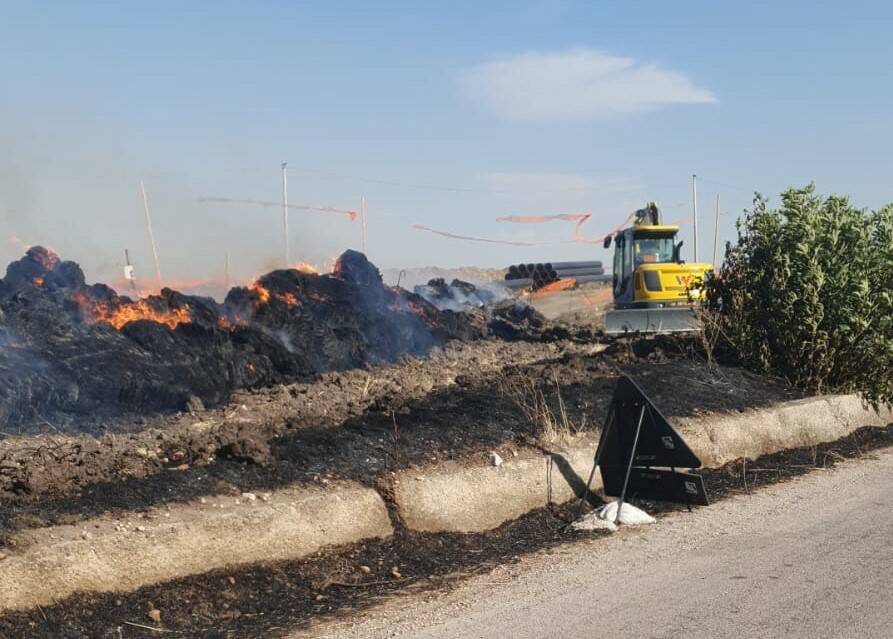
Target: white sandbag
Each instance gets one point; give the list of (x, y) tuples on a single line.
[(591, 521), (629, 514)]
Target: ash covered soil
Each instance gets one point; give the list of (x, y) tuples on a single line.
[(274, 599), (455, 406)]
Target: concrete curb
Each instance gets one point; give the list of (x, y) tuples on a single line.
[(108, 554), (462, 499), (719, 439)]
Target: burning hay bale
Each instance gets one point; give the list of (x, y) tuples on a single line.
[(82, 350)]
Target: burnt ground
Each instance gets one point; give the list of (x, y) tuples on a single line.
[(362, 425), (320, 432), (273, 599)]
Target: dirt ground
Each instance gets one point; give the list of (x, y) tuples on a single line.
[(456, 406)]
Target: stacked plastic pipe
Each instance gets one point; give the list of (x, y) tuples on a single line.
[(535, 276)]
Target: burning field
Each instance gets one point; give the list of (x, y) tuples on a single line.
[(73, 354), (244, 468)]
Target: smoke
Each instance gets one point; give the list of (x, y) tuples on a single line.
[(461, 296), (283, 337)]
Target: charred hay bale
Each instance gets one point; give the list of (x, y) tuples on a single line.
[(79, 350)]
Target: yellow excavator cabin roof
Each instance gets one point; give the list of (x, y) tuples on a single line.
[(663, 228)]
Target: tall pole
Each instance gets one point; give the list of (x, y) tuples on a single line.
[(226, 274), (363, 220), (694, 205), (151, 234), (285, 212), (715, 229)]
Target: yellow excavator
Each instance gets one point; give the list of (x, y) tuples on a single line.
[(654, 288)]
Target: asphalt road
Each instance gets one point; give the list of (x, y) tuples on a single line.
[(812, 558)]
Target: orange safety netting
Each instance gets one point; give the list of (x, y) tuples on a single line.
[(473, 239), (554, 287), (301, 207), (579, 218)]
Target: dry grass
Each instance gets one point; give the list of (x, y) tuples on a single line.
[(710, 331), (547, 423)]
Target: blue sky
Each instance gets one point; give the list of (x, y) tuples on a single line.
[(505, 107)]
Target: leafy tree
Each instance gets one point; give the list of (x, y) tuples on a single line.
[(807, 293)]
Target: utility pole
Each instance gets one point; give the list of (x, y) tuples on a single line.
[(151, 234), (715, 230), (226, 274), (694, 204), (285, 212), (363, 220)]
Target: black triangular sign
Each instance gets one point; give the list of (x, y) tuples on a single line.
[(654, 483), (659, 444)]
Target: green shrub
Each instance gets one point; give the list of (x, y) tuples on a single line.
[(807, 294)]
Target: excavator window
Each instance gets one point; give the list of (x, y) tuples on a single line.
[(621, 262), (652, 250)]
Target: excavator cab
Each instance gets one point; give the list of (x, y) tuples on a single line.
[(653, 287)]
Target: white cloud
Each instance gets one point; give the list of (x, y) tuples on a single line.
[(576, 85)]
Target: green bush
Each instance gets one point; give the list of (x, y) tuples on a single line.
[(807, 294)]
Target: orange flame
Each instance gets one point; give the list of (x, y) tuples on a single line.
[(120, 316), (37, 281), (263, 295), (304, 267), (289, 299), (140, 310)]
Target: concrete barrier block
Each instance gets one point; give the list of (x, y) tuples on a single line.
[(472, 499), (109, 554), (720, 438)]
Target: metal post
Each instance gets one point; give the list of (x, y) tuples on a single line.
[(151, 234), (285, 213), (694, 204), (715, 230), (363, 220), (226, 274), (609, 422), (629, 468)]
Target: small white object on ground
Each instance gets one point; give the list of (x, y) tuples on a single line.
[(591, 521), (629, 514), (495, 459)]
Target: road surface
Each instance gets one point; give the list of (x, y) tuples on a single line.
[(811, 558)]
